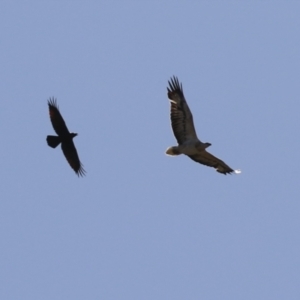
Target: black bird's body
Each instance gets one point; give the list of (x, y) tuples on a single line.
[(64, 137)]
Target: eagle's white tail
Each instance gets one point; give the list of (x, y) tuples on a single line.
[(237, 171), (172, 151)]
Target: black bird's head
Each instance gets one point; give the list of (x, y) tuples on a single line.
[(73, 134)]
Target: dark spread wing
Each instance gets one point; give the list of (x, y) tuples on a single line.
[(57, 120), (207, 159), (71, 155), (181, 116)]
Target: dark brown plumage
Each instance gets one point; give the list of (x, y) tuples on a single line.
[(64, 137), (183, 128)]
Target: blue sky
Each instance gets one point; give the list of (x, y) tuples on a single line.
[(142, 225)]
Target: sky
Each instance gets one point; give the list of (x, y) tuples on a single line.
[(140, 224)]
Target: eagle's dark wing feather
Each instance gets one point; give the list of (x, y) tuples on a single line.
[(57, 120), (207, 159), (181, 116), (71, 155)]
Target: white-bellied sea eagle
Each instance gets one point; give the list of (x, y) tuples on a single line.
[(185, 133)]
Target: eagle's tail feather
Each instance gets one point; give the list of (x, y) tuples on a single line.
[(173, 151)]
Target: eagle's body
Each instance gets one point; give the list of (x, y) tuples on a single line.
[(185, 133), (190, 147)]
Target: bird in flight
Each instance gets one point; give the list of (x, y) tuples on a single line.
[(185, 133), (64, 137)]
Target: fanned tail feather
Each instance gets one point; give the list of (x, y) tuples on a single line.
[(53, 141)]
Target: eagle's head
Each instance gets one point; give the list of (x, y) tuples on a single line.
[(207, 145)]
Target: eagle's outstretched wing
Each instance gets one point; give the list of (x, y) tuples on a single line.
[(181, 116), (207, 159)]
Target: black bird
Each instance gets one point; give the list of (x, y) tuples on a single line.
[(64, 137)]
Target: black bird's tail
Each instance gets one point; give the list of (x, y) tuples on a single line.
[(53, 141)]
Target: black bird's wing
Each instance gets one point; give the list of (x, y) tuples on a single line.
[(71, 155), (57, 120)]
